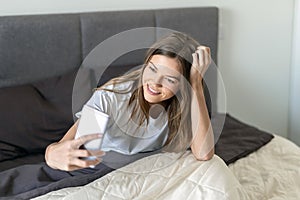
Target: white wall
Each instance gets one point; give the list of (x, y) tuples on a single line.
[(254, 50), (294, 125), (255, 61)]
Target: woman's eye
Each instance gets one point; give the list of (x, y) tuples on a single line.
[(152, 69), (170, 80)]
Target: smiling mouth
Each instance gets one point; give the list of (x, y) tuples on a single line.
[(152, 91)]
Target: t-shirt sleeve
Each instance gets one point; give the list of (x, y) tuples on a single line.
[(100, 101)]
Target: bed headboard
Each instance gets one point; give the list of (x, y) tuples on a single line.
[(36, 47)]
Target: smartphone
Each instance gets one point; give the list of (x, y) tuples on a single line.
[(92, 121)]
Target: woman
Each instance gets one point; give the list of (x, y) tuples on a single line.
[(160, 107)]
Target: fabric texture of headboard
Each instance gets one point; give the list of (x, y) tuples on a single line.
[(36, 47)]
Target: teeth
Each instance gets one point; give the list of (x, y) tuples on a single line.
[(156, 92)]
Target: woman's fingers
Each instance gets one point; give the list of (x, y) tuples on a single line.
[(82, 158), (201, 59), (203, 55), (87, 153), (195, 60), (207, 56), (77, 163), (67, 156), (84, 139), (201, 62)]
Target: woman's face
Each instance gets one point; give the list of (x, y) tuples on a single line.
[(161, 78)]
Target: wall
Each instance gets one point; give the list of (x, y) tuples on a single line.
[(294, 125), (254, 50)]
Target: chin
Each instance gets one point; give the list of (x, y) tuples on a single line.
[(151, 100)]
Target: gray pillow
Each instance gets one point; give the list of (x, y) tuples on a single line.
[(34, 115), (238, 139)]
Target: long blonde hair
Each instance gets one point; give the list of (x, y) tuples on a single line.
[(179, 46)]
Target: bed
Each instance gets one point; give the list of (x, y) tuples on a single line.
[(40, 59)]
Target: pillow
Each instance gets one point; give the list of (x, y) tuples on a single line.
[(238, 139), (34, 115)]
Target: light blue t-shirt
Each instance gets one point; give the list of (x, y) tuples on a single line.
[(123, 135)]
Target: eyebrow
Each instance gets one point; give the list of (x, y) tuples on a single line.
[(175, 77)]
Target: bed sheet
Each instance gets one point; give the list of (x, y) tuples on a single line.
[(272, 172)]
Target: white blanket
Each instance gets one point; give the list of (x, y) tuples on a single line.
[(272, 172), (186, 178)]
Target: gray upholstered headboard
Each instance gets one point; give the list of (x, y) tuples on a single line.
[(40, 46)]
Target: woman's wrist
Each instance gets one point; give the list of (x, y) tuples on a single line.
[(196, 81), (47, 151), (197, 86)]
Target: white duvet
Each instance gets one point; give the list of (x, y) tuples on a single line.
[(270, 173)]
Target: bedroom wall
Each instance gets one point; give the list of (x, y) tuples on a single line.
[(254, 50), (294, 125)]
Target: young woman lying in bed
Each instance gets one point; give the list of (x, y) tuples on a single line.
[(159, 98), (159, 107)]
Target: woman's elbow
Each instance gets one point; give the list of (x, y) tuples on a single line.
[(204, 157)]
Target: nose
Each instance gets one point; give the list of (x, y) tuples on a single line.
[(158, 80)]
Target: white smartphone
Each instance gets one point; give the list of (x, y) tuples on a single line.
[(92, 121)]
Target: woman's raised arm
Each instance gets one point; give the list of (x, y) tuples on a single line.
[(203, 138)]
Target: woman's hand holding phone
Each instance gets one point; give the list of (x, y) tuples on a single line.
[(66, 155)]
